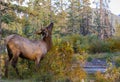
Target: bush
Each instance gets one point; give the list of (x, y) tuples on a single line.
[(114, 44), (101, 78), (117, 62), (89, 59), (80, 44), (108, 45), (99, 46)]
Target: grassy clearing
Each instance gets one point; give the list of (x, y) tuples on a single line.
[(16, 81), (105, 55)]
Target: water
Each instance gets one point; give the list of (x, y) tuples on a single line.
[(95, 69)]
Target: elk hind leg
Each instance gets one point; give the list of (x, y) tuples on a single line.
[(9, 53), (14, 64), (7, 60), (6, 67)]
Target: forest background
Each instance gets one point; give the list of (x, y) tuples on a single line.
[(80, 34)]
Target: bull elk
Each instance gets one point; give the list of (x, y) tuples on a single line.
[(18, 46)]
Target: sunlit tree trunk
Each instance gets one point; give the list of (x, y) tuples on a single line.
[(0, 40), (101, 33), (104, 26)]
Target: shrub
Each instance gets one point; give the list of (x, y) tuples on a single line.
[(112, 75), (101, 78), (117, 62), (114, 44), (99, 46), (108, 45), (79, 43), (89, 59)]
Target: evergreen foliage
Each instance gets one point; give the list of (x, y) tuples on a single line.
[(74, 39)]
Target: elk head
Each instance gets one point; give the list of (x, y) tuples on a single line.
[(47, 31)]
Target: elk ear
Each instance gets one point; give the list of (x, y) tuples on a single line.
[(50, 26), (38, 32)]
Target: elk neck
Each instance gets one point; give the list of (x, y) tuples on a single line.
[(48, 41)]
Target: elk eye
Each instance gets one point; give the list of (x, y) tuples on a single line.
[(45, 31)]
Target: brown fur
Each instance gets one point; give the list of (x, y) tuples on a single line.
[(18, 46)]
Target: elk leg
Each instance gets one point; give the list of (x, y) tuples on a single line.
[(6, 67), (37, 63), (9, 53), (14, 63), (7, 62)]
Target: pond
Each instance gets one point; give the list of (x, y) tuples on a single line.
[(95, 69)]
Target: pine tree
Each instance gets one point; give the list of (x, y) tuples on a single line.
[(74, 16), (85, 17), (79, 16), (103, 24), (59, 8)]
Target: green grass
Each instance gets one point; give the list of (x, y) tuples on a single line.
[(16, 80), (105, 55)]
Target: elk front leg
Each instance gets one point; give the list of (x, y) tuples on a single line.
[(37, 61), (14, 63)]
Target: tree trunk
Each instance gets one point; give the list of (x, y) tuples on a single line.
[(0, 41)]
